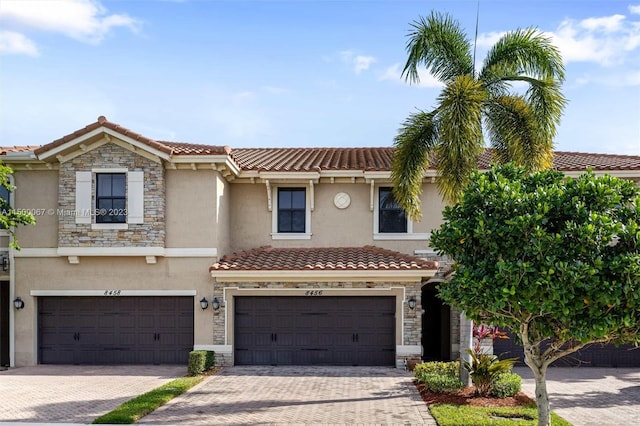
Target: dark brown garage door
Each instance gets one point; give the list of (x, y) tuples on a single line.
[(596, 355), (323, 330), (115, 330)]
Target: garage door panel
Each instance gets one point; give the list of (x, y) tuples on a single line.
[(315, 330), (115, 330)]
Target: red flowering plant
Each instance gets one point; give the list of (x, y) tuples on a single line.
[(485, 368)]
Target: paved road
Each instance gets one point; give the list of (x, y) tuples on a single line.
[(75, 394), (590, 396), (288, 395)]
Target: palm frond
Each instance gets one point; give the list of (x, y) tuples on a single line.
[(548, 102), (413, 147), (514, 129), (460, 134), (438, 43), (523, 52)]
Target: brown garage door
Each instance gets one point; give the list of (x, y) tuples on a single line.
[(322, 330), (115, 330), (596, 355)]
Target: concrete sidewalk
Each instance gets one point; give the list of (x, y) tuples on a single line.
[(591, 396)]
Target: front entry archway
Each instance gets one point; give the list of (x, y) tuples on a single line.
[(436, 325)]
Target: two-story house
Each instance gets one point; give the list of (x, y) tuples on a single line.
[(145, 250)]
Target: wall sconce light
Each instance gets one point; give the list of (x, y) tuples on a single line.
[(215, 304), (204, 303), (412, 303), (18, 303)]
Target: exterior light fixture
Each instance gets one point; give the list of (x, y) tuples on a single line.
[(204, 303), (412, 303), (18, 303), (215, 304)]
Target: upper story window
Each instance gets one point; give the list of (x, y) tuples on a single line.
[(391, 217), (292, 210), (111, 197)]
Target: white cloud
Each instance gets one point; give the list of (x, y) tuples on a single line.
[(359, 62), (274, 90), (606, 40), (362, 63), (16, 43), (83, 20), (634, 10), (393, 73)]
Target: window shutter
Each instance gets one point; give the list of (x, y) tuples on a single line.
[(135, 197), (83, 197)]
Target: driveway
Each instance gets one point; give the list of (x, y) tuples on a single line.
[(591, 396), (288, 395), (75, 394)]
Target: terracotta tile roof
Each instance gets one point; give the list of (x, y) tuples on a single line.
[(5, 149), (182, 148), (313, 159), (103, 122), (574, 161), (268, 258)]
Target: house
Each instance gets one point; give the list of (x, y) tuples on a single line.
[(145, 250)]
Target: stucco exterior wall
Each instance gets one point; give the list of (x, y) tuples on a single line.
[(37, 192), (191, 208), (251, 221), (106, 273)]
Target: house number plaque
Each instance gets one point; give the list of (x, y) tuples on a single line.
[(313, 293), (112, 292)]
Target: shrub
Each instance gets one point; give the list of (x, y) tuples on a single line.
[(485, 368), (441, 383), (451, 369), (200, 361), (506, 384)]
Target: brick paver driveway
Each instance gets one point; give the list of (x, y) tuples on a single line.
[(590, 396), (75, 394), (288, 395)]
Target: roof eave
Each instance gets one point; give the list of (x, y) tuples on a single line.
[(369, 275)]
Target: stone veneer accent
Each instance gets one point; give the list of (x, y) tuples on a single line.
[(412, 325), (151, 233)]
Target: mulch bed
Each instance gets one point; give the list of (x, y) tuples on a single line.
[(466, 397)]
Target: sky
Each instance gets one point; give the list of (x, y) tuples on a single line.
[(289, 73)]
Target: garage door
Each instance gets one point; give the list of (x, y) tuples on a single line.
[(596, 355), (115, 330), (320, 330)]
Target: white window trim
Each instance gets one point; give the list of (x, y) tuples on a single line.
[(275, 235), (388, 236), (85, 198)]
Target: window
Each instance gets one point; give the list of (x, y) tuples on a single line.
[(111, 199), (391, 217), (5, 203), (292, 210)]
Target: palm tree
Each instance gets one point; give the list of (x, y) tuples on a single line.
[(520, 124)]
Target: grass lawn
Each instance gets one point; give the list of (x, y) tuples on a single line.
[(466, 415), (140, 406)]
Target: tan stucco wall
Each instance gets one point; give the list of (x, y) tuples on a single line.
[(107, 273), (37, 191), (223, 218), (251, 222), (191, 208)]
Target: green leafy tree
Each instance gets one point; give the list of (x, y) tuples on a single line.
[(521, 124), (9, 217), (553, 258)]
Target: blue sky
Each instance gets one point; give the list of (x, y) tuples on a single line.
[(288, 73)]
